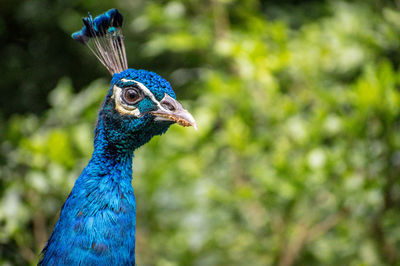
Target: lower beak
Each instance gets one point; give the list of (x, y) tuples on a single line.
[(171, 110)]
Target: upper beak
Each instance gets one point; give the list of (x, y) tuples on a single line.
[(171, 110)]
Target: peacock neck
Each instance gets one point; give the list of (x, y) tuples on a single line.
[(106, 182), (110, 167), (97, 222)]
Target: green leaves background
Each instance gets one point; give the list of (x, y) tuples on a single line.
[(297, 156)]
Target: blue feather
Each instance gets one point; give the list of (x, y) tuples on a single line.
[(97, 221)]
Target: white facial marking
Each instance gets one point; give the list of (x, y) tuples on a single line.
[(146, 92), (123, 108)]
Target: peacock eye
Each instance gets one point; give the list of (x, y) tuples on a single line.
[(131, 95)]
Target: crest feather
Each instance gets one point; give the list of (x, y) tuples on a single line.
[(103, 36)]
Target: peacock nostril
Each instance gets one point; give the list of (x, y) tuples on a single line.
[(168, 106)]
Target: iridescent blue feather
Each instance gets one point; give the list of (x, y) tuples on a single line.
[(97, 221)]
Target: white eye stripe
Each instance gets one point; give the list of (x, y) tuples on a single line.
[(146, 92), (124, 108)]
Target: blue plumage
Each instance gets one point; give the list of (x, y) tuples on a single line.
[(97, 222)]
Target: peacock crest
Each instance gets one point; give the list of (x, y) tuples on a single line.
[(103, 36)]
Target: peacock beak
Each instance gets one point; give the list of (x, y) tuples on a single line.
[(171, 110)]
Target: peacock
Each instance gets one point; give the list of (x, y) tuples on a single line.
[(97, 221)]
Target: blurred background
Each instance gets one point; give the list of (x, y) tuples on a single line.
[(297, 156)]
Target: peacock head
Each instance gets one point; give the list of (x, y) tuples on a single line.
[(139, 103)]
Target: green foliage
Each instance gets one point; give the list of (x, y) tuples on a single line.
[(297, 156)]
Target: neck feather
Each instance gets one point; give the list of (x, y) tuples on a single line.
[(99, 214)]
